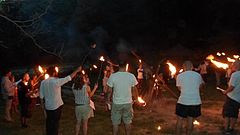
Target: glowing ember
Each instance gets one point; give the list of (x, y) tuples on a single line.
[(154, 76), (141, 101), (172, 69), (127, 66), (140, 61), (40, 69), (101, 58), (219, 54), (223, 54), (230, 59), (94, 66), (159, 128), (46, 76), (83, 72), (196, 122), (210, 57), (156, 80), (57, 69), (181, 70), (235, 56)]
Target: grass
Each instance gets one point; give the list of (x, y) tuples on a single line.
[(146, 119)]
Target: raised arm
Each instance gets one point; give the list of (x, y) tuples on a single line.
[(91, 93)]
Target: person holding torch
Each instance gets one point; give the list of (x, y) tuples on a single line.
[(121, 86), (51, 99)]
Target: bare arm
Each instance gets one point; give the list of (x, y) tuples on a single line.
[(109, 94), (91, 93), (76, 71), (230, 88), (135, 92)]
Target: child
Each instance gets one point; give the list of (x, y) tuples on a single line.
[(82, 93)]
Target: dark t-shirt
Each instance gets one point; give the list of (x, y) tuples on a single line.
[(23, 90)]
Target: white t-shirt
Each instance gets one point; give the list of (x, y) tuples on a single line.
[(189, 82), (122, 83), (50, 90), (235, 82)]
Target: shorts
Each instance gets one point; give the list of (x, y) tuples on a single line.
[(83, 112), (121, 112), (231, 108), (188, 110)]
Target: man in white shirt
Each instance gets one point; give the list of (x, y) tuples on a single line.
[(189, 103), (120, 86), (232, 103), (8, 93), (50, 94)]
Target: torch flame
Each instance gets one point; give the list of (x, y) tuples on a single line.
[(196, 122), (94, 66), (127, 66), (223, 54), (101, 58), (46, 76), (154, 76), (159, 128), (57, 69), (219, 54), (141, 101), (140, 61), (230, 59), (181, 70), (172, 69), (83, 72), (217, 63), (40, 69), (235, 56)]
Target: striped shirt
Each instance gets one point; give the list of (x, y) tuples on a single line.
[(81, 96)]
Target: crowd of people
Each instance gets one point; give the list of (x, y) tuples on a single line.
[(120, 89)]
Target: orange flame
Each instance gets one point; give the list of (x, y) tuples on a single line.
[(83, 72), (57, 69), (230, 59), (223, 54), (181, 70), (94, 66), (172, 69), (46, 76), (219, 54), (141, 101), (196, 122), (140, 61), (101, 58), (127, 66), (40, 69), (217, 63), (159, 128), (235, 56)]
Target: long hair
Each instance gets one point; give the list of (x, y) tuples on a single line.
[(78, 82)]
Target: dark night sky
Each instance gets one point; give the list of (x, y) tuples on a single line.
[(148, 27)]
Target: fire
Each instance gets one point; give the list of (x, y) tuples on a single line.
[(46, 76), (235, 56), (172, 69), (26, 83), (223, 54), (40, 69), (127, 66), (196, 122), (181, 70), (83, 72), (154, 76), (159, 128), (219, 54), (141, 101), (94, 66), (217, 63), (140, 61), (101, 58), (57, 69), (230, 59)]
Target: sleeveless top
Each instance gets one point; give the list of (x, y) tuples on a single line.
[(81, 96)]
